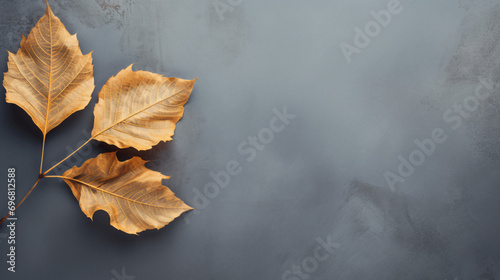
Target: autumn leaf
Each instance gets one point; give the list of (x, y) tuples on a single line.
[(139, 109), (49, 77), (130, 193)]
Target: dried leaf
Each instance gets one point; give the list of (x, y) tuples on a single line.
[(49, 77), (139, 109), (130, 193)]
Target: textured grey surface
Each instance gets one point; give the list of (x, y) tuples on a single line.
[(320, 178)]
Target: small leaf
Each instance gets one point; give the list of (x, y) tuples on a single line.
[(49, 77), (139, 109), (130, 193)]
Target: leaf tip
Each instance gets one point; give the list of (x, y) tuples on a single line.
[(48, 10)]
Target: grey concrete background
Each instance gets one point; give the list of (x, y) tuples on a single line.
[(322, 177)]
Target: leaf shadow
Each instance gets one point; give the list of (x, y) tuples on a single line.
[(150, 154), (153, 156), (102, 226)]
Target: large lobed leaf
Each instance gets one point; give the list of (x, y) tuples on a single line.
[(139, 109), (49, 77), (130, 193)]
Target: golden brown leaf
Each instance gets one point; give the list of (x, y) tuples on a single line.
[(139, 109), (49, 77), (130, 193)]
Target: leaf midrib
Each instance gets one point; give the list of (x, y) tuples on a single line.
[(131, 115), (113, 194), (50, 79)]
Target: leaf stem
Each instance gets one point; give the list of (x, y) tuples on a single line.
[(42, 175), (64, 159), (43, 151), (5, 218)]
